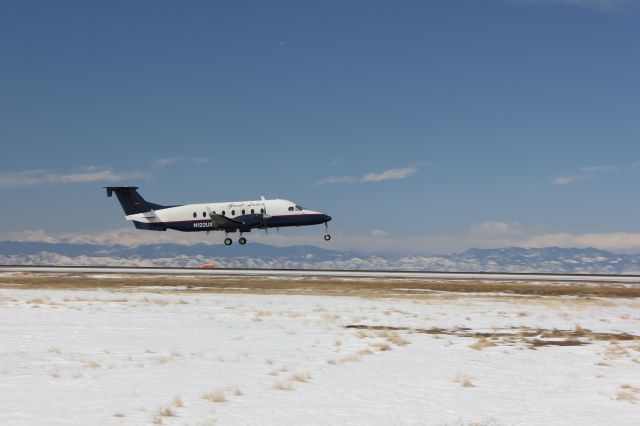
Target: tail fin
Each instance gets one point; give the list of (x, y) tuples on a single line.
[(130, 200)]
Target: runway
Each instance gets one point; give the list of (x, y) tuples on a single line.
[(319, 273)]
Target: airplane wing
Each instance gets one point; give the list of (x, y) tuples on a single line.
[(223, 222)]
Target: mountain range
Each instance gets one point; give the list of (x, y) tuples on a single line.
[(255, 255)]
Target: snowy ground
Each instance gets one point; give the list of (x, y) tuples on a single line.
[(175, 357)]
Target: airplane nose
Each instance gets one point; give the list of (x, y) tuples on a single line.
[(326, 217)]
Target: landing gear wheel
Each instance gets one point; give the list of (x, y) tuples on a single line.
[(242, 241), (228, 241), (327, 237)]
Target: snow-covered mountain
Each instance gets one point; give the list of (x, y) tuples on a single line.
[(254, 255)]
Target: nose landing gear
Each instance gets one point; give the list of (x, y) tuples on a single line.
[(327, 237)]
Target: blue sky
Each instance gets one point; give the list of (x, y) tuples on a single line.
[(421, 127)]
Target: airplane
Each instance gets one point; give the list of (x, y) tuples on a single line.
[(230, 217)]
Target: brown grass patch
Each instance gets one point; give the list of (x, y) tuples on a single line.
[(533, 338), (371, 288)]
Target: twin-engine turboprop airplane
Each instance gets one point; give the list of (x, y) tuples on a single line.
[(235, 216)]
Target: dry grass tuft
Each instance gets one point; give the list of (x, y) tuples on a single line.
[(162, 412), (284, 386), (463, 380), (615, 350), (481, 343), (177, 402), (301, 377), (628, 393), (350, 358), (362, 335), (397, 340), (216, 396), (382, 347), (364, 352)]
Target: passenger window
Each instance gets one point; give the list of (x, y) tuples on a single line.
[(242, 211), (204, 214), (290, 209), (261, 211), (233, 212), (223, 213), (253, 211), (195, 214)]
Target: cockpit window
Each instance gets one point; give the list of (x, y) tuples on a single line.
[(299, 207)]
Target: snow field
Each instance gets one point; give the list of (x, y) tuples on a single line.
[(175, 357)]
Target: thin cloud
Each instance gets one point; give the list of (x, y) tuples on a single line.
[(391, 174), (86, 175), (601, 5), (336, 179), (586, 173), (164, 162), (567, 180), (201, 160), (598, 169)]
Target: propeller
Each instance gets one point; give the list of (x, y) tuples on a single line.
[(265, 215)]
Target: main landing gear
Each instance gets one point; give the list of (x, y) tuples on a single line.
[(228, 241), (327, 237)]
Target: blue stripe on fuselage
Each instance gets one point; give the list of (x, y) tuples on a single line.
[(251, 222)]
